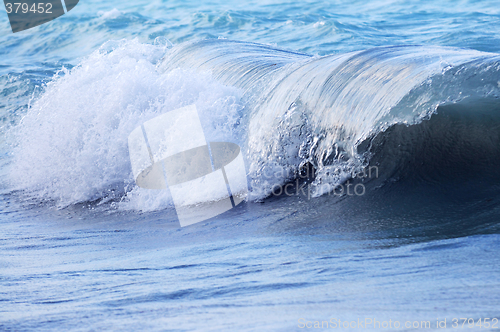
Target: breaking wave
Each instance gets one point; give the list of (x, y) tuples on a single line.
[(422, 113)]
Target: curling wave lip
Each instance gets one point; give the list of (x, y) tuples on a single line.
[(204, 179)]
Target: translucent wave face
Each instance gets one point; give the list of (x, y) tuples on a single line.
[(318, 110)]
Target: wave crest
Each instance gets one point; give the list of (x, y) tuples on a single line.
[(286, 109)]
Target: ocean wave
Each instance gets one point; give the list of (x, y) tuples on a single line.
[(319, 110), (338, 113)]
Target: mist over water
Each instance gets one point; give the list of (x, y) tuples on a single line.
[(370, 133)]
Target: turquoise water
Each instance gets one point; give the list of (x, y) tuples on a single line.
[(294, 84)]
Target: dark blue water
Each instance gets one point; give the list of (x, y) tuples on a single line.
[(309, 85)]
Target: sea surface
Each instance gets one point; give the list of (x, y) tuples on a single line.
[(370, 132)]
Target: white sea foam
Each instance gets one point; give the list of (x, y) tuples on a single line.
[(111, 14), (72, 143)]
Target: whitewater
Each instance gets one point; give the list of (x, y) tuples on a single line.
[(370, 135)]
